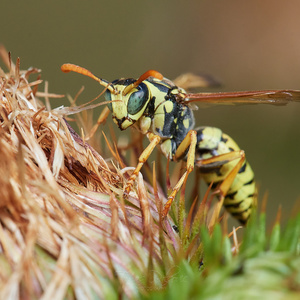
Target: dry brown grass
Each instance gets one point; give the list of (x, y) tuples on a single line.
[(65, 230)]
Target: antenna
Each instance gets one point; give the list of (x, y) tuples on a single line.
[(74, 68), (149, 73)]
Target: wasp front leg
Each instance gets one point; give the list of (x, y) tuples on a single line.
[(154, 141), (101, 119)]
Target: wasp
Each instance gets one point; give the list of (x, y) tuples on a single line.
[(164, 113)]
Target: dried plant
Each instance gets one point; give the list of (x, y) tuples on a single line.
[(66, 231)]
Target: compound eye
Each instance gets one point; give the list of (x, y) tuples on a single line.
[(107, 96), (137, 99)]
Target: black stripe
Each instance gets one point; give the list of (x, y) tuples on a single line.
[(235, 205), (208, 169), (231, 195), (242, 169), (251, 195), (199, 135), (242, 220), (224, 140), (249, 182), (161, 87), (239, 213), (150, 109), (214, 185)]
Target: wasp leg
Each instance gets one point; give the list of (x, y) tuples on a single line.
[(154, 141), (190, 142), (217, 162), (102, 118), (220, 160)]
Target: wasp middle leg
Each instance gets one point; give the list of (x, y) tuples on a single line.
[(189, 142)]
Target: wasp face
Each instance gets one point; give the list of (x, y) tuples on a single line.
[(127, 108)]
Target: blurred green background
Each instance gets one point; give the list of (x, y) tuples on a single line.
[(245, 45)]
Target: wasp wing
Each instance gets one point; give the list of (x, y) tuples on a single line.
[(275, 97), (190, 81)]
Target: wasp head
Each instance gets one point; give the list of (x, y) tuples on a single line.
[(129, 97), (129, 101)]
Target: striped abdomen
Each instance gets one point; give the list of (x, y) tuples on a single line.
[(241, 196)]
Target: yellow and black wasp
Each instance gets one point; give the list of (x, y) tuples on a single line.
[(162, 111)]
